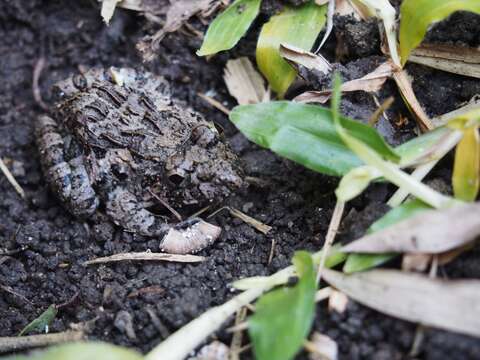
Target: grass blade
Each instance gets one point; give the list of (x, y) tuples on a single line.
[(306, 134), (228, 27), (284, 316), (293, 26), (466, 170), (417, 15)]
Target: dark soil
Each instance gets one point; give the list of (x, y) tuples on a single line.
[(52, 245)]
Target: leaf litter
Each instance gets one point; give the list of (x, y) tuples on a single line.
[(429, 232), (452, 305)]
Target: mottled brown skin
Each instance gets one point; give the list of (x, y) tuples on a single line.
[(112, 147)]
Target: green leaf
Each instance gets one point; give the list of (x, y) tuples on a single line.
[(42, 322), (355, 182), (299, 27), (82, 351), (362, 262), (228, 27), (417, 15), (306, 134), (283, 317), (466, 169)]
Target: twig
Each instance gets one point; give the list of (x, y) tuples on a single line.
[(11, 179), (263, 228), (272, 252), (214, 103), (380, 110), (146, 256), (37, 71), (9, 290), (167, 205), (237, 337), (15, 343), (331, 233)]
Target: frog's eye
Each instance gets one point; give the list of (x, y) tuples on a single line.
[(175, 178), (79, 81)]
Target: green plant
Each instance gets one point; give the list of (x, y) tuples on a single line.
[(298, 26)]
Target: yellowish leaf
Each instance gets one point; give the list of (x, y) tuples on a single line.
[(293, 26), (467, 166)]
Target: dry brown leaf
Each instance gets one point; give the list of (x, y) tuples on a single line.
[(405, 86), (430, 232), (177, 14), (441, 120), (362, 10), (454, 59), (145, 256), (322, 347), (108, 8), (295, 55), (244, 83), (450, 305), (337, 301), (416, 262), (370, 83)]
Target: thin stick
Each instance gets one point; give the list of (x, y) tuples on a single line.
[(167, 205), (37, 71), (214, 103), (146, 256), (15, 343), (331, 233), (272, 252), (11, 179), (237, 337), (380, 110)]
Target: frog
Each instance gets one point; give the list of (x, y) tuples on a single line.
[(116, 143)]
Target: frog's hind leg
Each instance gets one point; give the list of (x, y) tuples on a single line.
[(126, 211), (68, 179)]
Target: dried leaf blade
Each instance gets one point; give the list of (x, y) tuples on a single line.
[(430, 232), (449, 305)]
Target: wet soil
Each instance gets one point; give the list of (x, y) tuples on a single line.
[(43, 248)]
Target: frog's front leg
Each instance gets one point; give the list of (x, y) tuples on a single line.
[(126, 211), (69, 180), (188, 236)]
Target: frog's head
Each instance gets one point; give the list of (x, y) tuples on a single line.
[(122, 77), (204, 169)]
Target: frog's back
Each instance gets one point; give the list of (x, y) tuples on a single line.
[(136, 114)]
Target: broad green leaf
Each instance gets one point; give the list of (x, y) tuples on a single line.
[(362, 262), (466, 169), (82, 351), (417, 15), (228, 27), (389, 170), (41, 323), (283, 317), (306, 134), (299, 27)]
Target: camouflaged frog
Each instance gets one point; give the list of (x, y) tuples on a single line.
[(118, 144)]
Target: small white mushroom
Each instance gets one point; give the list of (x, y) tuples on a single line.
[(190, 240)]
